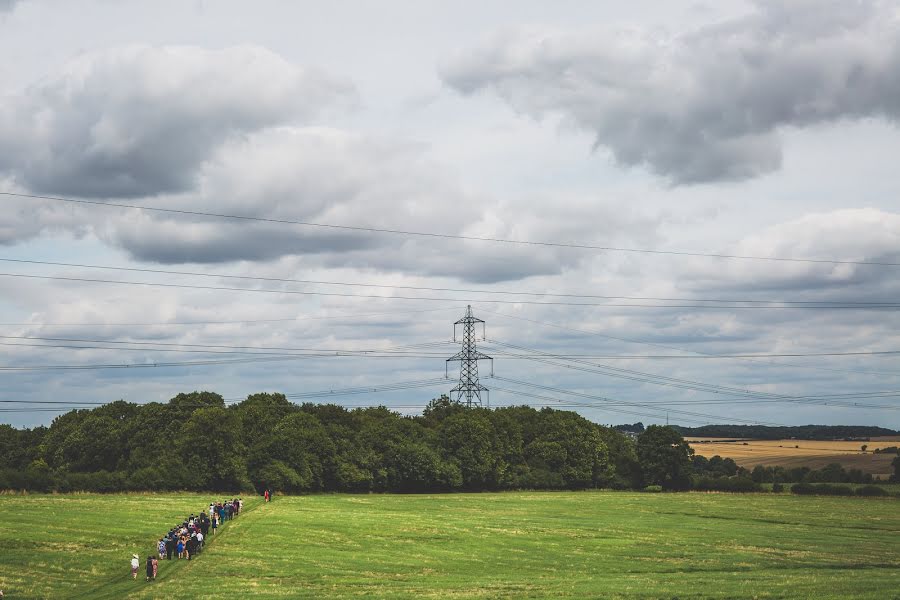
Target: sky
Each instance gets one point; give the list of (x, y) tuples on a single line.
[(688, 129)]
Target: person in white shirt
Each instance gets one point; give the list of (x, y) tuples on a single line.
[(135, 563)]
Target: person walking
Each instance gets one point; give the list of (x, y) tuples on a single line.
[(161, 548), (134, 566), (149, 567), (266, 495), (170, 545), (155, 567)]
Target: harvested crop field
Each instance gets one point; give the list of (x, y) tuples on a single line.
[(801, 453)]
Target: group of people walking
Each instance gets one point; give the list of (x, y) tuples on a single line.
[(186, 540)]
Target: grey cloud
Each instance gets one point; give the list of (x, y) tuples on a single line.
[(706, 105), (864, 234), (293, 173), (139, 120), (180, 243), (21, 219), (332, 176)]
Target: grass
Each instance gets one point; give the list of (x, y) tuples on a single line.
[(801, 453), (508, 545), (80, 545)]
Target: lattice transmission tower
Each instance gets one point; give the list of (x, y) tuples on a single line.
[(469, 387)]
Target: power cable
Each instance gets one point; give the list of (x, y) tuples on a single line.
[(697, 352), (215, 349), (635, 404), (236, 322), (643, 377), (433, 299), (589, 405), (444, 289), (356, 228)]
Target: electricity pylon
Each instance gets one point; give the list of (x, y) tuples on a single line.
[(468, 357)]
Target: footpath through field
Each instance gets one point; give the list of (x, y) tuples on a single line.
[(174, 571)]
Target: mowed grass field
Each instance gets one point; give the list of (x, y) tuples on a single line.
[(507, 545), (801, 453)]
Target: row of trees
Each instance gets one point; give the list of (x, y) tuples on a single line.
[(784, 432), (831, 473), (196, 442)]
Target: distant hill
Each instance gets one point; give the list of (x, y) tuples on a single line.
[(802, 432)]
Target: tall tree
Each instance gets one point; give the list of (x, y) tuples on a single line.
[(211, 447), (665, 458)]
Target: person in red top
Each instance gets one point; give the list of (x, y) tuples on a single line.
[(266, 494)]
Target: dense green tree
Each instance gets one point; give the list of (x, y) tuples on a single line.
[(94, 444), (210, 445), (18, 447), (623, 471), (509, 447), (260, 413), (467, 440), (277, 475), (415, 467), (302, 443), (665, 458)]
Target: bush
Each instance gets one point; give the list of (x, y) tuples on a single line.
[(777, 487), (871, 490), (655, 489), (822, 489)]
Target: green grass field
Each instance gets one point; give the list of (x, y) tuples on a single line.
[(515, 545)]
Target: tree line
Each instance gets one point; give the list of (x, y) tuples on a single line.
[(196, 442), (799, 432)]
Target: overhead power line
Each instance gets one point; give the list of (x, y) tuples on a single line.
[(400, 351), (754, 359), (299, 319), (668, 404), (433, 299), (655, 379), (606, 401), (592, 405), (445, 289), (410, 350), (830, 399), (410, 233), (391, 386), (163, 364), (145, 365)]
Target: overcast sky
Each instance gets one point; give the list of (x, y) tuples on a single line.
[(743, 128)]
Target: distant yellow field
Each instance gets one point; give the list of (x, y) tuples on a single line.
[(800, 453)]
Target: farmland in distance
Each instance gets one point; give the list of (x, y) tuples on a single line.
[(790, 453)]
